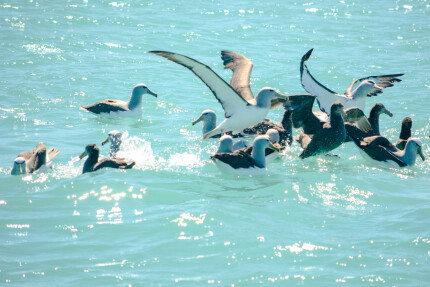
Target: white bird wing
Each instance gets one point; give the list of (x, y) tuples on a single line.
[(229, 99), (242, 68), (383, 81), (325, 96)]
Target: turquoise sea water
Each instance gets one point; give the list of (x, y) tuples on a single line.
[(176, 220)]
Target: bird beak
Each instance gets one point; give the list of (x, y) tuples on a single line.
[(279, 95), (274, 146), (378, 87), (198, 120), (105, 141), (387, 112), (420, 152), (152, 93), (84, 154)]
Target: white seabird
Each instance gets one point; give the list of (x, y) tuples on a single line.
[(240, 162), (240, 112), (35, 160), (355, 95), (380, 150), (118, 107)]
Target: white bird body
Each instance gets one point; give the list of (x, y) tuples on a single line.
[(241, 109)]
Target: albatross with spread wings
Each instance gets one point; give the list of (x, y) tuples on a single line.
[(241, 109), (355, 95)]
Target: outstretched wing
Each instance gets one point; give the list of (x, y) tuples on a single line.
[(384, 81), (325, 96), (358, 118), (242, 68), (230, 100)]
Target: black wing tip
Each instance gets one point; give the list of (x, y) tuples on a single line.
[(307, 55)]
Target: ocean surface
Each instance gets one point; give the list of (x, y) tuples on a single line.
[(175, 219)]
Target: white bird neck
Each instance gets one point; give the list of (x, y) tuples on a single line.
[(263, 100), (135, 100), (259, 155), (209, 123), (409, 153)]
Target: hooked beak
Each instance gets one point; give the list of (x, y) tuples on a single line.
[(84, 154), (387, 112), (421, 154), (274, 146), (105, 141), (198, 120), (281, 96), (152, 93)]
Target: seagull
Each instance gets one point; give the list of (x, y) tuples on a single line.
[(92, 163), (353, 130), (240, 111), (118, 107), (355, 95), (240, 162), (380, 150), (34, 160), (114, 137)]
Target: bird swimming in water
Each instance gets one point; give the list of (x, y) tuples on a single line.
[(380, 150), (240, 162), (353, 130), (118, 107), (34, 160), (92, 163)]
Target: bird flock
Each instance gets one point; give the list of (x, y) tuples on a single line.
[(340, 118)]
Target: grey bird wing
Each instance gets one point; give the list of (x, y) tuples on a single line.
[(107, 106), (37, 159), (242, 68), (229, 99), (118, 163), (357, 117), (379, 148), (303, 117), (52, 152), (383, 81)]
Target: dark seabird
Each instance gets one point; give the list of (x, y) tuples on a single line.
[(312, 122), (118, 107), (240, 162), (330, 136), (241, 110), (353, 130), (114, 138), (405, 133), (34, 160), (355, 95), (379, 149), (92, 163)]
